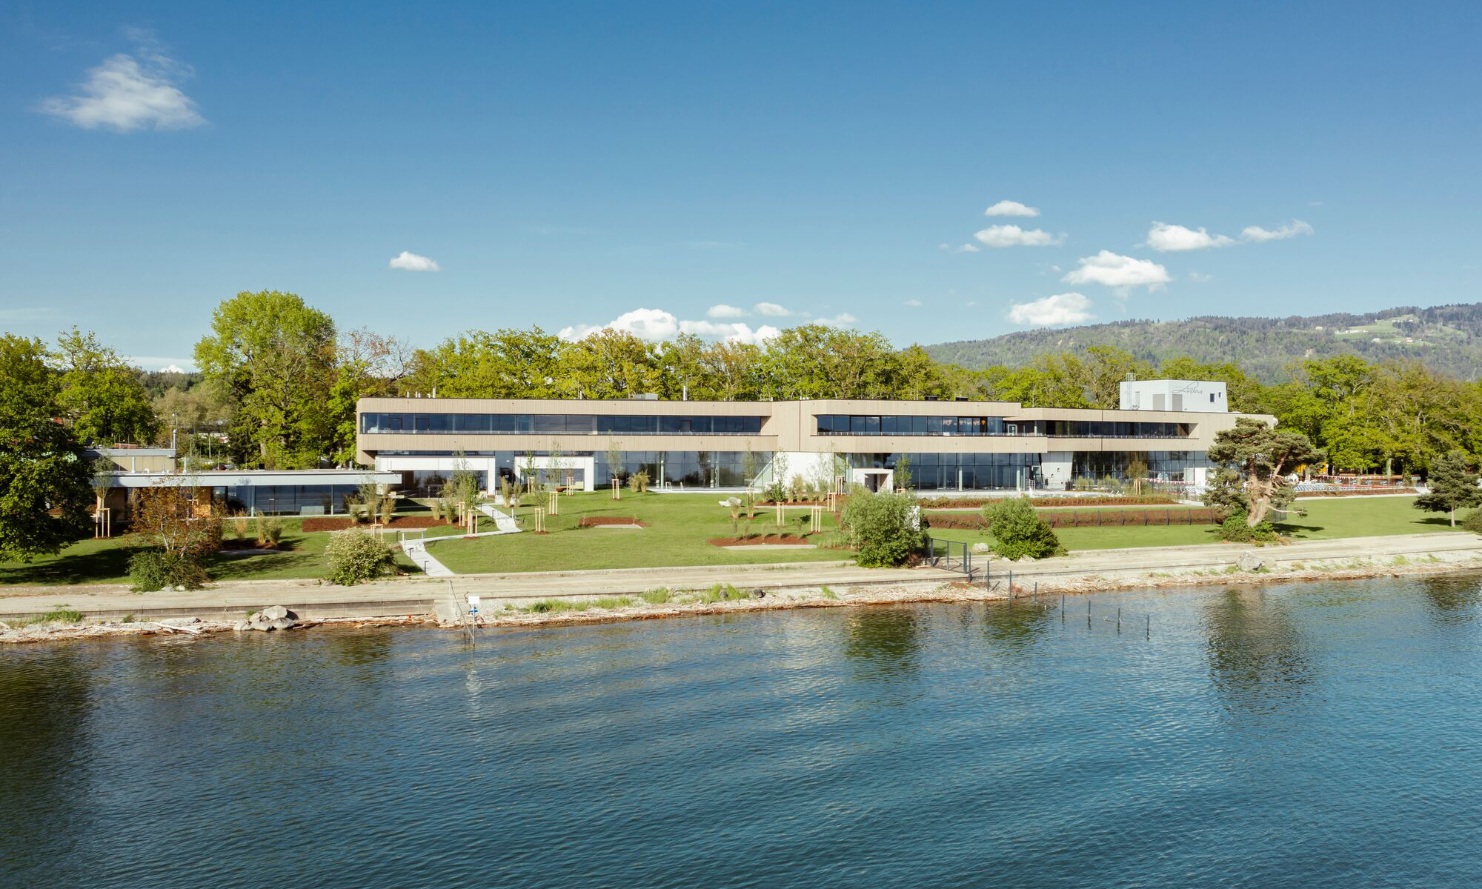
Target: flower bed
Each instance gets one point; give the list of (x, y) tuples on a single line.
[(762, 540), (599, 521), (1087, 518)]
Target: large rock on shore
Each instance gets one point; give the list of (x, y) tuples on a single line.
[(1250, 562), (274, 617)]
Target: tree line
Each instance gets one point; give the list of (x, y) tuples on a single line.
[(279, 381)]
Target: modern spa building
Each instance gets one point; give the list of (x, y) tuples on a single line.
[(950, 445)]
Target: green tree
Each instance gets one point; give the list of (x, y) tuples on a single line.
[(1452, 485), (608, 364), (1253, 461), (102, 396), (270, 358), (507, 363), (885, 529), (1019, 531), (45, 482)]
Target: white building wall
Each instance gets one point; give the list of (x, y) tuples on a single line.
[(1193, 396)]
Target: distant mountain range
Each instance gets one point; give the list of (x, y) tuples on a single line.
[(1446, 338)]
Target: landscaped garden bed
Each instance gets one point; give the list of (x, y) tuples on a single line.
[(762, 540), (611, 521)]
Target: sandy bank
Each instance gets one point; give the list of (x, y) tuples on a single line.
[(505, 599)]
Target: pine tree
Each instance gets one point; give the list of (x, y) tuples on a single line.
[(1452, 484)]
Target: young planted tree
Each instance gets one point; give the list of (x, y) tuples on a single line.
[(1253, 461), (183, 523), (1452, 485)]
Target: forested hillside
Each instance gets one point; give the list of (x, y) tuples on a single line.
[(1447, 339)]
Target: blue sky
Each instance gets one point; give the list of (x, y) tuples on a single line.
[(726, 168)]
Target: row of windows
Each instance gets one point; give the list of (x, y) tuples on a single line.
[(846, 424), (1113, 429), (564, 424), (843, 424)]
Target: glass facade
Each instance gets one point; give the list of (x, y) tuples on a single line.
[(884, 424), (1113, 429), (285, 499), (558, 424), (1161, 465), (959, 472)]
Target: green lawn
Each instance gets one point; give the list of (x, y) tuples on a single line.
[(1327, 518), (107, 561), (678, 527)]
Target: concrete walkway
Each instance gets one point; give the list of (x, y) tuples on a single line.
[(416, 550), (503, 522), (419, 595)]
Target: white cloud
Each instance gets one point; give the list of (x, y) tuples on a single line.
[(771, 310), (1013, 236), (1010, 208), (1114, 270), (1256, 234), (843, 319), (963, 248), (1167, 238), (1200, 277), (914, 303), (657, 325), (725, 311), (735, 332), (1062, 308), (130, 92), (411, 262)]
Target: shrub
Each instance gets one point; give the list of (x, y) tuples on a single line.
[(1019, 531), (885, 529), (1473, 522), (1237, 529), (269, 530), (357, 557), (155, 569), (638, 481)]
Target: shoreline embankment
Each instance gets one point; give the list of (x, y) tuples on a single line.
[(505, 599)]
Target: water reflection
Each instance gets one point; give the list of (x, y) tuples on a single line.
[(1017, 627), (884, 642), (1451, 599), (1257, 656), (45, 697), (361, 648)]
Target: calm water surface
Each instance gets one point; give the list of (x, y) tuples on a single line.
[(1314, 735)]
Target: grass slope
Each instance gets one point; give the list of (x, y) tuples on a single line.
[(678, 527), (107, 561), (1326, 519)]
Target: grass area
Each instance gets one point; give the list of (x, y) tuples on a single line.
[(1326, 519), (678, 527), (107, 561)]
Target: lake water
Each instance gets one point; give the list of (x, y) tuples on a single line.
[(1313, 735)]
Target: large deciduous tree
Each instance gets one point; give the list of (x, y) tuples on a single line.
[(1452, 485), (45, 482), (1253, 461), (271, 359), (101, 395)]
